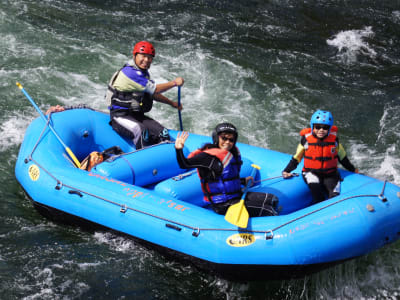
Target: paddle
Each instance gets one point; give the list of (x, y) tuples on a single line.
[(51, 127), (179, 104), (237, 213)]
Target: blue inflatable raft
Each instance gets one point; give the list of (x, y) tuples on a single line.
[(145, 195)]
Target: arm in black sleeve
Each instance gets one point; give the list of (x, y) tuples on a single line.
[(182, 161), (296, 159), (207, 164), (347, 164), (343, 159), (293, 163)]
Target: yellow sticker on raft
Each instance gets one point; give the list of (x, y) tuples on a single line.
[(34, 172), (240, 240)]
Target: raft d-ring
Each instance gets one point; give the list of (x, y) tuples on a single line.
[(196, 232), (383, 199), (269, 235), (124, 208), (59, 185), (28, 159)]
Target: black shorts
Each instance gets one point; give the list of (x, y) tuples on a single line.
[(257, 204)]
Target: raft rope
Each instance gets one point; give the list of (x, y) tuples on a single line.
[(181, 176), (280, 176), (37, 143), (269, 234)]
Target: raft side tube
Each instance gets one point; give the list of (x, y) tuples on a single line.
[(187, 186), (143, 167)]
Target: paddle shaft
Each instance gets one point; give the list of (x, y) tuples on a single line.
[(70, 153), (237, 213), (253, 174), (179, 112)]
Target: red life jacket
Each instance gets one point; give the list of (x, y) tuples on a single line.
[(227, 186), (321, 155)]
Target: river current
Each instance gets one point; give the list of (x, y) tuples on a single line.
[(263, 65)]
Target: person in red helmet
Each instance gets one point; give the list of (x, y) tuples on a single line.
[(130, 95)]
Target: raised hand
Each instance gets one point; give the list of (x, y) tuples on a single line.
[(181, 138)]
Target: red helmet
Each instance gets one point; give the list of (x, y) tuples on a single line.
[(144, 48)]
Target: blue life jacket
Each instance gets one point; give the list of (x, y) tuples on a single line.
[(227, 185)]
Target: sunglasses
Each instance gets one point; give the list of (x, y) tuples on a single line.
[(224, 138), (324, 127)]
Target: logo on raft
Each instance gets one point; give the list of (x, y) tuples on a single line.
[(34, 172), (240, 240)]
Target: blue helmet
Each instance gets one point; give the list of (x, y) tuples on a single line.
[(321, 117)]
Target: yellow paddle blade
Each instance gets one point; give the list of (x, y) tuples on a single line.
[(237, 214)]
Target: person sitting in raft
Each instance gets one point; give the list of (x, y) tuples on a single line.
[(131, 93), (321, 150), (218, 166)]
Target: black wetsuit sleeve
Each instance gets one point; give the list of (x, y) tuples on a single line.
[(199, 160), (209, 166), (293, 163), (347, 164)]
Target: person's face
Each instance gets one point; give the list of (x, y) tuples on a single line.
[(226, 141), (320, 130), (143, 61)]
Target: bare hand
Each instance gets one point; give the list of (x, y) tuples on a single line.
[(287, 175), (53, 109), (175, 105), (181, 138), (249, 181), (179, 81)]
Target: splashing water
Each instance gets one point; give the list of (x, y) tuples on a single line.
[(352, 43)]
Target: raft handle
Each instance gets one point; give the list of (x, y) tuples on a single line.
[(173, 227), (75, 193), (383, 199), (269, 235)]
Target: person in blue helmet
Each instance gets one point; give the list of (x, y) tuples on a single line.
[(130, 95), (321, 150), (218, 164)]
